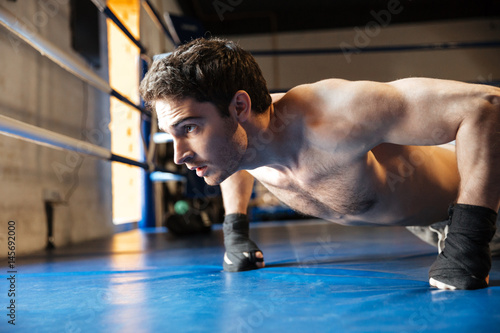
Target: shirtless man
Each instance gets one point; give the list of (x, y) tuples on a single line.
[(354, 153)]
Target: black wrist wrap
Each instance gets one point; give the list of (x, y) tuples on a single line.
[(465, 261), (236, 240)]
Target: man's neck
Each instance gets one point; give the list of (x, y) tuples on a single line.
[(269, 141)]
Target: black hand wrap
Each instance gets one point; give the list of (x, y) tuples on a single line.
[(237, 241), (466, 259)]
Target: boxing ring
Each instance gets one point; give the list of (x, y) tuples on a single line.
[(319, 277)]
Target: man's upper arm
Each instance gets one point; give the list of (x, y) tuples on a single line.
[(407, 112), (428, 112), (356, 116)]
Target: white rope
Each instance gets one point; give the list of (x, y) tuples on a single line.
[(51, 51), (18, 129)]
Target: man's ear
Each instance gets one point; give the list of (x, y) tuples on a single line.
[(241, 105)]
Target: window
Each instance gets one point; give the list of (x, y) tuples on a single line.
[(125, 120)]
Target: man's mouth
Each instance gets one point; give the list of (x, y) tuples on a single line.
[(200, 171)]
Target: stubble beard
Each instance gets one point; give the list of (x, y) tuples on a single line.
[(230, 156)]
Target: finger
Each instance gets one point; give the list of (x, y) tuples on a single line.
[(260, 256)]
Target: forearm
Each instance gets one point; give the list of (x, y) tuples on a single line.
[(478, 157), (241, 252), (465, 261), (236, 192), (437, 111)]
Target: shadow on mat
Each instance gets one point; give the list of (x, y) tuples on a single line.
[(494, 283), (354, 260)]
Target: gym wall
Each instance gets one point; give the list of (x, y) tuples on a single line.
[(472, 65), (37, 91)]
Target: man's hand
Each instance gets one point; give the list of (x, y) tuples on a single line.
[(242, 254)]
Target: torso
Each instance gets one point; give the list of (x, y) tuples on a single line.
[(318, 188), (388, 185), (391, 186)]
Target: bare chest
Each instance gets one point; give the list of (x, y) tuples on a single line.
[(322, 189)]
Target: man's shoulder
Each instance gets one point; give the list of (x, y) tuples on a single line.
[(341, 103), (332, 97), (332, 91), (344, 113)]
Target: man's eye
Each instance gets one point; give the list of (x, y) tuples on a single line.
[(189, 128)]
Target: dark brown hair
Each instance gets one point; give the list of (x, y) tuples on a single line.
[(207, 70)]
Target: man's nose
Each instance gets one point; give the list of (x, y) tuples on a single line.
[(182, 153)]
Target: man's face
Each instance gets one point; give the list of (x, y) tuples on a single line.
[(203, 139)]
